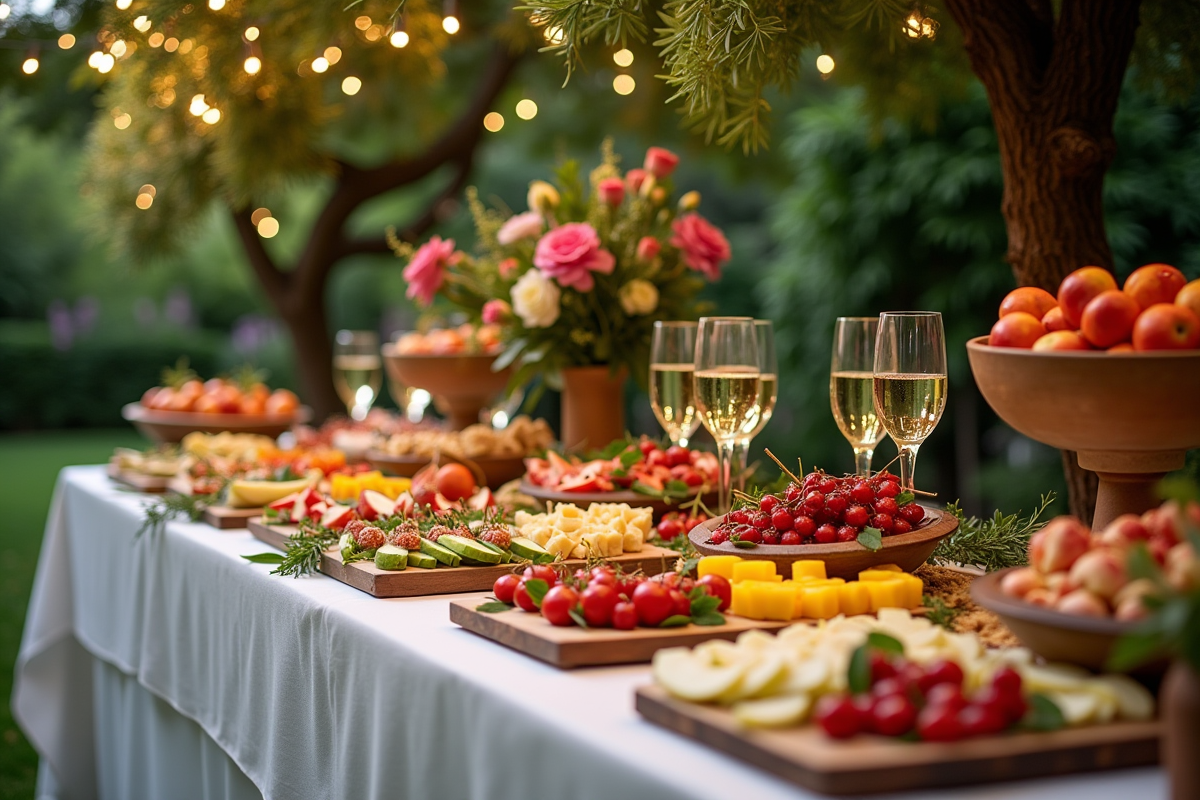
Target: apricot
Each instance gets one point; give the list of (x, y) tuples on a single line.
[(1154, 283), (1058, 545), (1189, 297), (1123, 347), (1055, 321), (1029, 299), (1082, 603), (282, 401), (1078, 289), (1017, 329), (1108, 319), (1166, 326), (1101, 571), (1062, 340)]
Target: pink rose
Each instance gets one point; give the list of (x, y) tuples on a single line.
[(495, 312), (426, 271), (611, 191), (508, 267), (703, 247), (660, 163), (634, 180), (571, 253), (647, 249), (521, 226)]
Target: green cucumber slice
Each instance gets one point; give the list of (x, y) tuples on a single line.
[(390, 557), (469, 548), (422, 560), (442, 554)]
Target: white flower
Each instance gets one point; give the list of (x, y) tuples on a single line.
[(535, 299), (542, 197), (521, 226), (638, 297)]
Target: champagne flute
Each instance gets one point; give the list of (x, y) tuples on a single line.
[(727, 388), (672, 379), (910, 381), (851, 387), (357, 370), (768, 390)]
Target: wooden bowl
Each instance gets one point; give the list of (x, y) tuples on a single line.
[(1131, 417), (842, 559), (461, 385), (172, 426), (496, 471), (585, 499), (1053, 635)]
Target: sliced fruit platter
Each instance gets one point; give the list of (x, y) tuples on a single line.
[(499, 454), (864, 704), (147, 470)]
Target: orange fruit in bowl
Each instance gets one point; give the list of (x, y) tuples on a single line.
[(1166, 326), (282, 402), (1029, 299), (207, 403), (1189, 297), (1078, 289), (1153, 284), (1108, 319), (253, 404), (1123, 347), (1062, 340), (1017, 329), (1055, 321)]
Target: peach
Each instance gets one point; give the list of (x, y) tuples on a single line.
[(1057, 546), (1041, 597), (1017, 329), (1131, 610), (1062, 340), (1135, 590), (1154, 283), (1101, 572), (1123, 347), (1183, 568), (1055, 321), (1060, 583), (1124, 531), (1108, 319), (1082, 603), (1189, 297), (1021, 582), (1165, 523), (1029, 299), (1078, 289), (1166, 326)]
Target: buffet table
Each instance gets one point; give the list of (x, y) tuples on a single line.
[(168, 666)]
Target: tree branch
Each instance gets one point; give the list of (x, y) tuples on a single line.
[(1009, 45), (275, 281)]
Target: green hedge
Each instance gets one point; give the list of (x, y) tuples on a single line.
[(41, 387)]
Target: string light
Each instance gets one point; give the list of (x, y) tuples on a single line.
[(216, 5), (30, 65), (527, 109), (145, 197), (122, 121), (494, 121), (351, 85), (5, 10), (918, 25), (143, 24), (333, 54), (212, 116), (118, 49), (106, 63), (554, 35), (171, 45), (94, 59), (624, 84), (252, 65), (450, 23), (825, 64), (259, 215), (362, 23), (66, 41), (320, 64), (156, 39), (251, 34), (122, 5), (399, 39), (148, 188), (198, 106), (623, 57), (268, 226)]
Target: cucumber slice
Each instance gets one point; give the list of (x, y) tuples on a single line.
[(505, 556), (531, 550), (422, 560), (469, 548), (347, 546), (442, 554), (389, 556)]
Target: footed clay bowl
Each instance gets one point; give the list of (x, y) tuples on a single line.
[(461, 385)]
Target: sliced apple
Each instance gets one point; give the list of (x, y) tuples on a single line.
[(299, 512), (1133, 700), (691, 675), (310, 497), (284, 503), (763, 677), (781, 711), (581, 483), (256, 494), (373, 505), (318, 509), (481, 499), (443, 503), (336, 517), (405, 504)]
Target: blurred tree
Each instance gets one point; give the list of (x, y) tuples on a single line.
[(1052, 72)]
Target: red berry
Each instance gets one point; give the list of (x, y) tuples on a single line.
[(891, 476), (782, 520), (912, 513), (939, 724), (770, 536), (760, 521), (794, 493), (855, 515), (980, 720), (647, 446), (893, 715), (625, 616), (940, 671), (886, 505), (814, 501), (804, 525), (826, 534), (893, 685), (888, 488), (862, 493), (838, 716), (789, 538), (719, 536), (836, 503), (504, 587), (900, 526), (669, 528), (881, 667), (827, 485), (678, 456), (748, 534), (883, 522), (847, 533), (739, 517), (1008, 681), (1008, 708), (945, 694), (768, 503)]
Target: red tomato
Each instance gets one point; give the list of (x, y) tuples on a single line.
[(838, 716), (455, 482), (599, 602), (542, 571), (669, 528), (504, 587), (682, 606), (718, 586), (653, 602), (678, 456), (557, 605), (893, 715), (647, 446), (603, 576), (522, 599), (625, 616)]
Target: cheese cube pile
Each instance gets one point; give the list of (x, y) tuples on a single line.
[(603, 529)]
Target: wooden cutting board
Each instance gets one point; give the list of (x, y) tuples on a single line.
[(572, 647), (870, 764), (151, 484), (220, 517), (415, 582)]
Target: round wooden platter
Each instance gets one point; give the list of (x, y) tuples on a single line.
[(172, 426), (585, 499), (842, 559), (496, 471)]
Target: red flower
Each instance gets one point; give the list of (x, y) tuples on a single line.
[(703, 247), (426, 271), (571, 253), (647, 248), (660, 163), (634, 180), (611, 191)]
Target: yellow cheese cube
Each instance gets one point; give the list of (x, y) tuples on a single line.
[(753, 571), (776, 579), (854, 598), (343, 487), (739, 602), (779, 600), (914, 587), (877, 575), (808, 567), (820, 602), (888, 567), (754, 596), (798, 600), (717, 565), (886, 594)]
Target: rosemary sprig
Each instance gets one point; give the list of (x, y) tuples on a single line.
[(171, 506), (991, 544), (939, 612), (304, 549)]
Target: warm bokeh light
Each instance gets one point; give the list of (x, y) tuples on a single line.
[(156, 39), (624, 84), (494, 121), (212, 116), (105, 63), (171, 45), (362, 23), (144, 201), (216, 5), (259, 214), (29, 66), (124, 4), (252, 65), (143, 24), (94, 59), (399, 39), (251, 34), (186, 45), (351, 85), (333, 54), (526, 109), (554, 35), (373, 33), (268, 227), (66, 41), (5, 10), (825, 64), (118, 49), (623, 57), (148, 188), (320, 64), (198, 106), (451, 25), (122, 121)]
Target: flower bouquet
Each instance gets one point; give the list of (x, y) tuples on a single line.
[(578, 280)]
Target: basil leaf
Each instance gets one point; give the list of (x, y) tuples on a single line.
[(858, 675), (744, 545), (265, 558), (579, 620), (537, 588), (630, 457), (872, 539), (711, 618), (885, 644), (494, 607), (704, 605), (905, 497), (1043, 714), (675, 621)]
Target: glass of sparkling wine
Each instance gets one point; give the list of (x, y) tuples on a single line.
[(768, 372), (851, 387), (727, 388), (357, 370), (910, 381), (672, 387)]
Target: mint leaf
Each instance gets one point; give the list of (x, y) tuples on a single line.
[(579, 620), (711, 618), (858, 675), (630, 457), (1043, 714), (905, 497), (744, 545), (872, 539), (494, 607), (537, 588), (885, 643), (265, 558), (704, 605), (675, 621)]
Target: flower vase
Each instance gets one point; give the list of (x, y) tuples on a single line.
[(593, 406), (1180, 704)]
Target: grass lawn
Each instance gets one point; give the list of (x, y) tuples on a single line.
[(29, 464)]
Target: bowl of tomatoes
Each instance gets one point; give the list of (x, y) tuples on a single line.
[(169, 413)]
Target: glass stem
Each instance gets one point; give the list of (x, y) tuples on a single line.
[(862, 461), (908, 464), (741, 457), (724, 484)]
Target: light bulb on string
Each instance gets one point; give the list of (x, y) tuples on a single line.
[(5, 10), (30, 65), (450, 23), (66, 41), (320, 64), (825, 64)]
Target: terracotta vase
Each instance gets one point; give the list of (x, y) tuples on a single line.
[(1179, 702), (593, 406)]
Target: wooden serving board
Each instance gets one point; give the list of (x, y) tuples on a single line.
[(151, 484), (871, 764), (572, 647), (628, 496), (220, 517), (416, 582)]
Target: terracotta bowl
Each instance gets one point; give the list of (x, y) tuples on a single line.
[(496, 471), (461, 385), (1131, 417), (585, 499), (172, 426), (1053, 635), (842, 559)]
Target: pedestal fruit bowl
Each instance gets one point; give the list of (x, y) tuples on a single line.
[(462, 384), (1131, 417)]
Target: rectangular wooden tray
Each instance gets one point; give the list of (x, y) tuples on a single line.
[(414, 582), (573, 647), (220, 517), (151, 484), (870, 764)]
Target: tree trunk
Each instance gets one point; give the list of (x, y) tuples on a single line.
[(308, 326), (1053, 86)]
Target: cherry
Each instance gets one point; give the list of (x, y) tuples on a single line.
[(760, 521), (793, 494), (862, 493), (847, 533), (1008, 681), (768, 503), (770, 536), (739, 517), (893, 715), (719, 536), (891, 685), (838, 716), (856, 516), (881, 667), (980, 720), (837, 503), (741, 531), (913, 513), (945, 694), (748, 534), (939, 724), (886, 505), (789, 538), (940, 671), (826, 534), (883, 522), (814, 501), (782, 520), (804, 525), (888, 489), (900, 526), (827, 485)]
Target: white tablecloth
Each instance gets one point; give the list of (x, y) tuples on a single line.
[(314, 689)]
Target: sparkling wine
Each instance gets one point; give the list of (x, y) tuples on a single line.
[(852, 396), (767, 390), (910, 405), (357, 378), (672, 395), (728, 401)]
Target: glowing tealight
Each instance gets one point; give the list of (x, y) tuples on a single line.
[(624, 84), (623, 57), (351, 85), (494, 121), (527, 109), (825, 64)]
